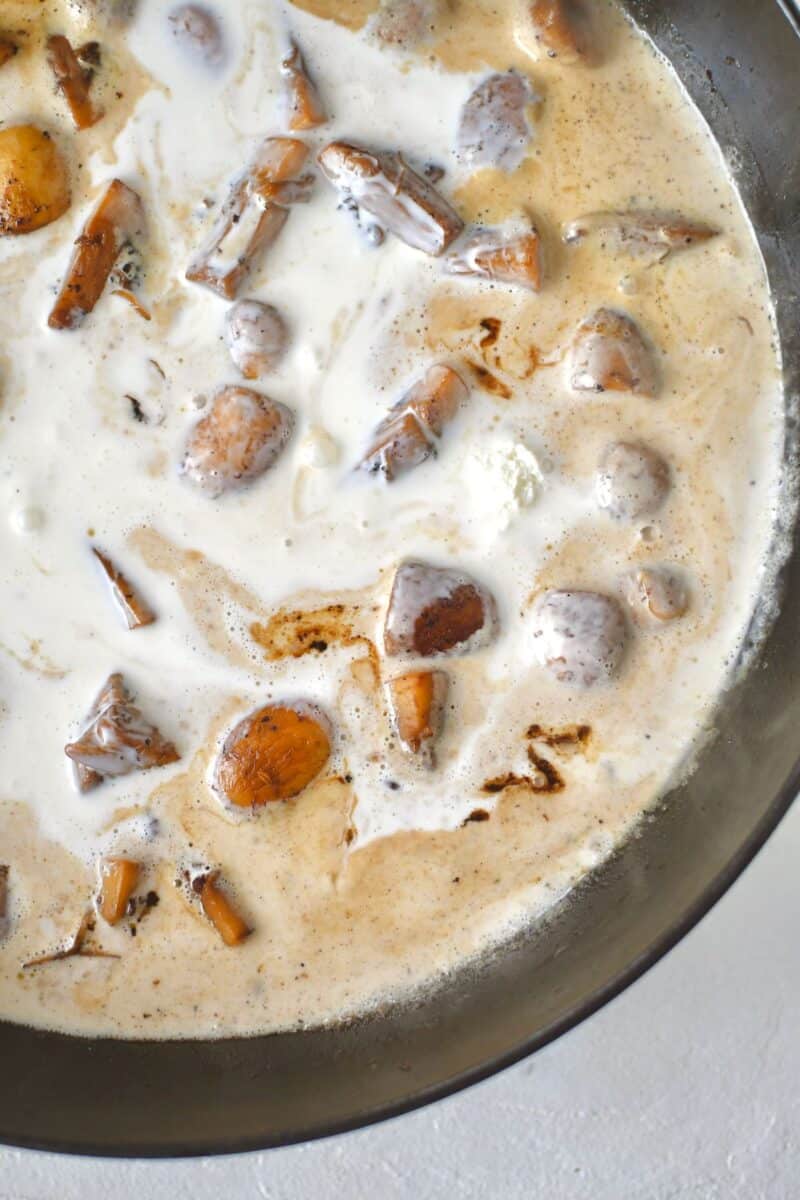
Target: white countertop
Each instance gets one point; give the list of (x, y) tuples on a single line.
[(687, 1086)]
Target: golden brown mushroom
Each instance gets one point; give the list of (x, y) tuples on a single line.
[(418, 699), (73, 81), (118, 878), (117, 219), (503, 256), (273, 754), (34, 180), (304, 107)]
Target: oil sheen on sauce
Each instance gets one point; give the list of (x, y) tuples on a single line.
[(380, 876)]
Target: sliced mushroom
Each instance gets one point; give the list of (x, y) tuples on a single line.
[(34, 180), (402, 201), (632, 480), (409, 433), (239, 439), (73, 81), (252, 216), (554, 29), (304, 107), (118, 878), (579, 636), (610, 354), (198, 34), (118, 218), (136, 612), (661, 592), (403, 24), (418, 699), (494, 130), (256, 337), (640, 233), (437, 610), (503, 256), (273, 754), (119, 739)]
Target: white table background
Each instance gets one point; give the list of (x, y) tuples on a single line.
[(687, 1087)]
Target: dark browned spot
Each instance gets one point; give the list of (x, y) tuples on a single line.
[(477, 814), (570, 735), (450, 621), (488, 381), (547, 778)]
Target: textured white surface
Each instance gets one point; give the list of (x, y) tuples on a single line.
[(685, 1088)]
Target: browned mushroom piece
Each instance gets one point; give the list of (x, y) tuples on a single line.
[(579, 636), (632, 480), (660, 592), (403, 202), (303, 103), (3, 892), (136, 612), (34, 180), (8, 49), (238, 439), (494, 130), (437, 610), (74, 81), (198, 34), (253, 215), (403, 24), (118, 878), (116, 221), (610, 354), (555, 29), (219, 908), (119, 739), (639, 233), (417, 700), (503, 256), (256, 337), (272, 754), (410, 431)]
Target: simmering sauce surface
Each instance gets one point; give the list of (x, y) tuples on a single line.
[(615, 435)]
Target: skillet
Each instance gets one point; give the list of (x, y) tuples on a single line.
[(740, 60)]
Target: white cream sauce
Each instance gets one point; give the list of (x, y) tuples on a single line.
[(510, 499)]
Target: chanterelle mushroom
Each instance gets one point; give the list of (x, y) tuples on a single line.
[(272, 754), (119, 739), (579, 636), (402, 201), (410, 431), (239, 438), (437, 610), (640, 233), (632, 480), (34, 180), (610, 354), (494, 130)]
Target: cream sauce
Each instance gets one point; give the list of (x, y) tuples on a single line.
[(373, 881)]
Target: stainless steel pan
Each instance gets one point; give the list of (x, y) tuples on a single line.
[(741, 61)]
